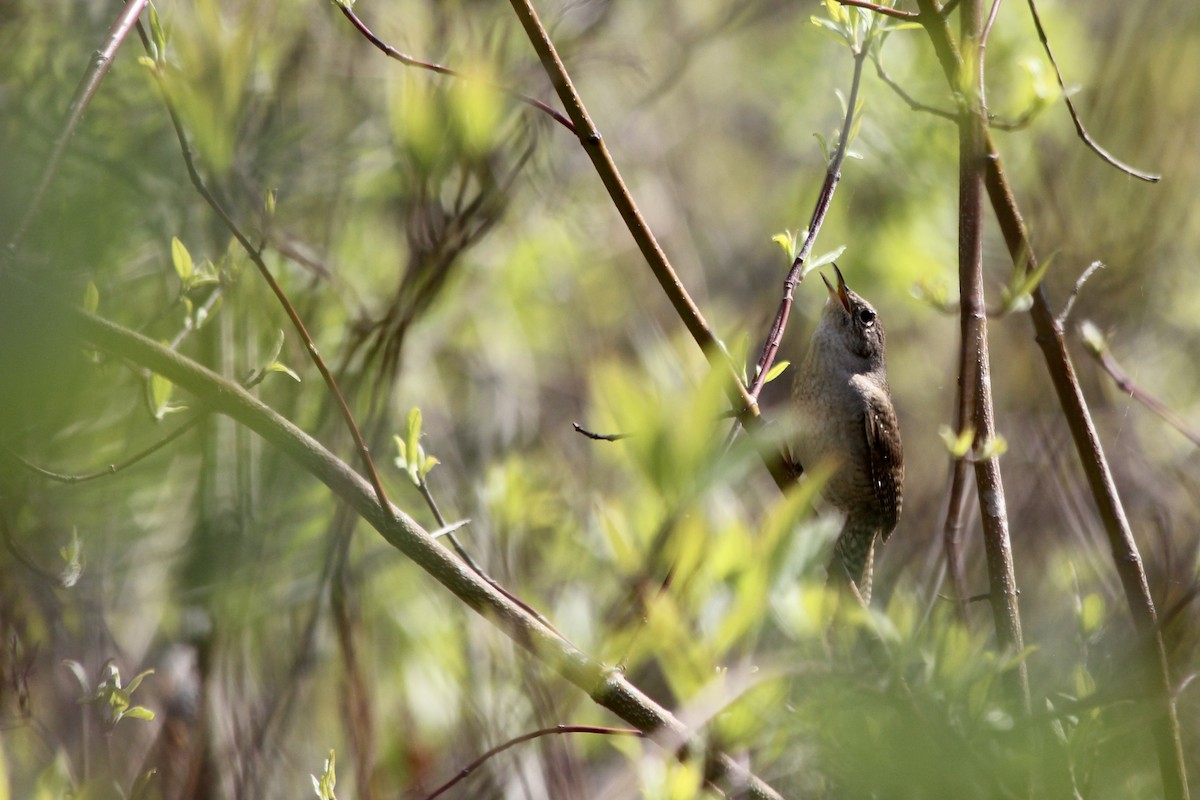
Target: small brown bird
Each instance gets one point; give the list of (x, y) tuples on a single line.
[(845, 414)]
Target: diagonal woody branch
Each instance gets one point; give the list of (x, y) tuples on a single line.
[(606, 686), (744, 404)]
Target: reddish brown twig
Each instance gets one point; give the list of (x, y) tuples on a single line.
[(887, 11), (526, 737), (832, 176), (1087, 139), (409, 61), (1097, 347)]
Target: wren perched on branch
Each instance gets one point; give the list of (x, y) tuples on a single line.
[(845, 416)]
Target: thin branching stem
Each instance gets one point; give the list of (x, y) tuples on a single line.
[(887, 11), (116, 467), (833, 175), (255, 255), (1104, 357), (465, 555), (975, 398), (101, 62), (556, 730), (1086, 137), (440, 69), (1069, 306)]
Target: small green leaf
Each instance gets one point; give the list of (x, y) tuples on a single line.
[(269, 203), (1093, 340), (428, 464), (413, 444), (1091, 613), (182, 260), (72, 554), (993, 448), (777, 370), (160, 393), (957, 444), (936, 295), (137, 712), (277, 366), (160, 397), (401, 459), (787, 241), (825, 258), (91, 298), (824, 146), (157, 34), (325, 785), (137, 681)]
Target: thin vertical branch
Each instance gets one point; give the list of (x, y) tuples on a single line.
[(101, 62), (953, 526), (974, 365)]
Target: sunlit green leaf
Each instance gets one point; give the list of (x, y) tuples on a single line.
[(182, 260), (958, 444), (91, 298), (777, 370)]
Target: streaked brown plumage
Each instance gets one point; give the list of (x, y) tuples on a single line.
[(845, 414)]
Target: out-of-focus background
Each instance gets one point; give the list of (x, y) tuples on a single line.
[(454, 250)]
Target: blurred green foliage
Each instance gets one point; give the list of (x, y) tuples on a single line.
[(452, 250)]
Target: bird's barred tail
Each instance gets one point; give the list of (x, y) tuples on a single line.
[(854, 556)]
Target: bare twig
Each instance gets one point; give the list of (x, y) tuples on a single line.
[(833, 174), (887, 11), (409, 61), (525, 737), (447, 530), (953, 527), (599, 437), (1108, 157), (112, 469), (255, 254), (101, 62), (1092, 268), (1097, 347), (995, 122), (909, 100)]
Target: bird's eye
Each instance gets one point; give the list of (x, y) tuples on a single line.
[(866, 316)]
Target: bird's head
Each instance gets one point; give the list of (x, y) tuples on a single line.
[(851, 324)]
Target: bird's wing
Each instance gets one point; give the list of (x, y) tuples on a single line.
[(886, 461)]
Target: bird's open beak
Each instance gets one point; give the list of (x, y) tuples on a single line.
[(840, 292)]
